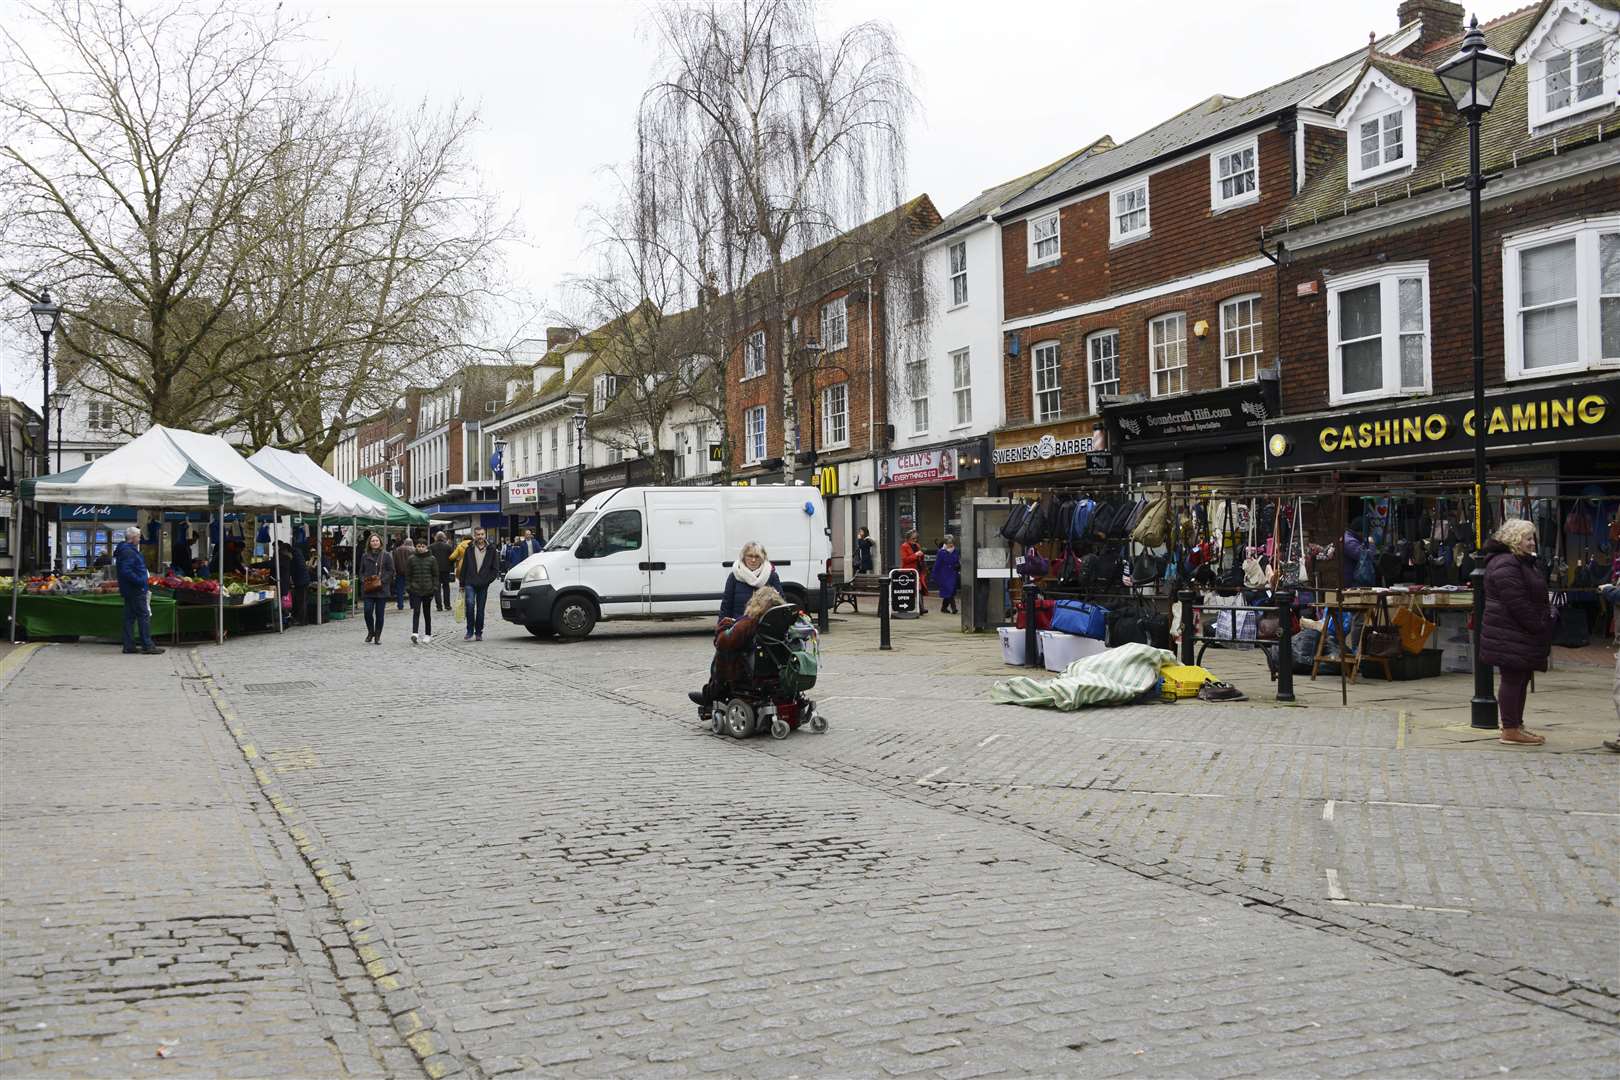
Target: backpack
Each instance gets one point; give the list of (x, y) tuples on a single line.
[(1049, 526), (1119, 524), (1084, 510), (1152, 529), (1014, 522), (1366, 571), (1029, 530)]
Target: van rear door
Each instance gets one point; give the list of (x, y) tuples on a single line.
[(687, 538)]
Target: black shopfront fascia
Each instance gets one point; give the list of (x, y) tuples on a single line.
[(1560, 416), (1215, 433)]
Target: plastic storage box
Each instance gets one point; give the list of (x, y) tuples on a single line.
[(1012, 644), (1059, 650)]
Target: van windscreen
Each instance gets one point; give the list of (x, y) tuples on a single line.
[(565, 536)]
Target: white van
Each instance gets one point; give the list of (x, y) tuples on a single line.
[(640, 552)]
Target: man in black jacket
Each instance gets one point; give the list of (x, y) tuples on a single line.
[(480, 567), (441, 552), (403, 550)]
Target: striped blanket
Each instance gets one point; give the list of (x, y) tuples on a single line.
[(1111, 677)]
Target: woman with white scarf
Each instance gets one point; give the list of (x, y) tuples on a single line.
[(749, 572)]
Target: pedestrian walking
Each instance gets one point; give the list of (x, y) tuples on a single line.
[(402, 562), (911, 558), (376, 586), (441, 553), (480, 566), (422, 582), (863, 550), (135, 590), (947, 574), (298, 566), (521, 549), (751, 571), (1517, 633)]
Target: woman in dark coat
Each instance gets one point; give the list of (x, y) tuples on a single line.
[(863, 550), (1517, 633), (751, 571), (375, 576), (947, 573)]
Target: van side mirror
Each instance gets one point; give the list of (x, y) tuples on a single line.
[(586, 549)]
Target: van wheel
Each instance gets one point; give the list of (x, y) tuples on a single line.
[(794, 595), (540, 629), (574, 618)]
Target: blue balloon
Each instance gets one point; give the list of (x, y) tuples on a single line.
[(809, 509)]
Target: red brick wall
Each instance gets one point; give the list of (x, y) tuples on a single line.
[(1131, 320), (1186, 236), (853, 359), (1445, 245)]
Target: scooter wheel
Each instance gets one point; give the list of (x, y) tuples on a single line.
[(818, 724), (717, 722), (739, 719), (780, 728)]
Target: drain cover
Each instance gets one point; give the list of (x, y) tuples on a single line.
[(276, 687)]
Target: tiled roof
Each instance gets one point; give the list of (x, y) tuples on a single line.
[(1413, 76), (991, 198), (1204, 122), (1505, 142), (908, 221)]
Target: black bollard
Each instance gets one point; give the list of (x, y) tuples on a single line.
[(883, 615), (1032, 640), (821, 615), (1285, 654), (1188, 598)]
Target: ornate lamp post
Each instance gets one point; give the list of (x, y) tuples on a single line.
[(1472, 79), (46, 315), (580, 420)]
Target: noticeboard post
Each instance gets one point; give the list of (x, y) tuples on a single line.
[(903, 594)]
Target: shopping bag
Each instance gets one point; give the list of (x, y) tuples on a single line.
[(1413, 628)]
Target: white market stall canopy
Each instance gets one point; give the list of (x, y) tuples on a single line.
[(338, 500), (169, 468)]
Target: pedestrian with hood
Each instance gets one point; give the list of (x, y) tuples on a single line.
[(912, 558), (376, 573), (947, 574), (422, 582), (441, 552), (134, 588), (480, 567), (863, 550), (751, 571), (1516, 635), (403, 550)]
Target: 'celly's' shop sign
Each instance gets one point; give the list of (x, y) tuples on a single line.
[(1549, 414)]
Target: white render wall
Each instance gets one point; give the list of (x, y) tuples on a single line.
[(975, 326)]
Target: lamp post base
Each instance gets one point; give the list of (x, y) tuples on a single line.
[(1482, 713)]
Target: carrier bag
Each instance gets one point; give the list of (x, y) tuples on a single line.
[(1079, 617)]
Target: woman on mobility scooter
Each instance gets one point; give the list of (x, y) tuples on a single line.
[(763, 662)]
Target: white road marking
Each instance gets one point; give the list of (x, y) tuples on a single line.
[(1398, 907), (987, 740), (923, 780), (1327, 811), (1334, 892), (1409, 805)]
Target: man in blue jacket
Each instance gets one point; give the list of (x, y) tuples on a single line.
[(133, 588)]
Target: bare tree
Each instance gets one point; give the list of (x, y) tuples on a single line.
[(800, 138), (235, 248)]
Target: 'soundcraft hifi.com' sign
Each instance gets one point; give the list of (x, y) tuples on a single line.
[(1542, 415)]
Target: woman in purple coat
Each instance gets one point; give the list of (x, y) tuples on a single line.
[(947, 573), (1517, 632)]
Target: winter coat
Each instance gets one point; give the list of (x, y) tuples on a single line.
[(911, 558), (738, 593), (299, 566), (471, 573), (402, 559), (441, 552), (422, 575), (947, 571), (377, 564), (732, 644), (1518, 627), (132, 576), (863, 555)]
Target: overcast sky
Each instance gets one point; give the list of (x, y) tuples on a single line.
[(1005, 86)]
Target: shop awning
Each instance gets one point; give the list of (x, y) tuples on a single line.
[(170, 468), (338, 500), (400, 512)]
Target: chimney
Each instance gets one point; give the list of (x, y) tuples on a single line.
[(558, 335), (1441, 20)]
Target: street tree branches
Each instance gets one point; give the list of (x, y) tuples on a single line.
[(237, 246)]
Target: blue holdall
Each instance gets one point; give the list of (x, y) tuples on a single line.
[(1079, 617)]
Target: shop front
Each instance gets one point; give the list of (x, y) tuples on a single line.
[(463, 517), (924, 489), (540, 502), (1212, 434), (1074, 452)]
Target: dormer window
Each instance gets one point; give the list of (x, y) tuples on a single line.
[(1574, 61), (603, 390), (1380, 123)]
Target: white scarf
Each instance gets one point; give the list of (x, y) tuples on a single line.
[(755, 578)]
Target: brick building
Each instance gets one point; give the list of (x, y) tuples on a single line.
[(1376, 317), (1139, 306), (380, 441), (842, 393), (449, 454)]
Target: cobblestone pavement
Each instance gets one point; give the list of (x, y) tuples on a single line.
[(151, 919), (545, 867)]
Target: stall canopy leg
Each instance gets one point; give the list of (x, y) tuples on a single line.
[(320, 578), (219, 564), (275, 563)]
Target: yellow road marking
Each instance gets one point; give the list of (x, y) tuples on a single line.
[(1400, 730)]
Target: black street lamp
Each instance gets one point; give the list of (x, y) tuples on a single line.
[(580, 420), (46, 315), (1472, 79)]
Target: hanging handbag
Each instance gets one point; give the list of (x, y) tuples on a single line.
[(1015, 521), (1413, 628), (1376, 641)]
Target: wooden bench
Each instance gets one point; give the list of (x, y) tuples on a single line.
[(849, 592)]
